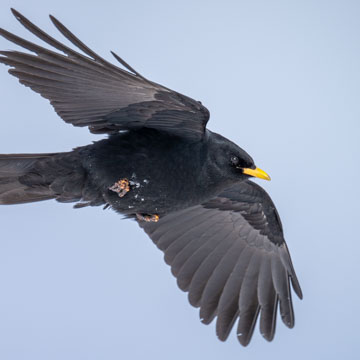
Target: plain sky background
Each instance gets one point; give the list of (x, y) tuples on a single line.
[(281, 79)]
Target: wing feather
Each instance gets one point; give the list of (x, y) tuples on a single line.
[(87, 90), (231, 256)]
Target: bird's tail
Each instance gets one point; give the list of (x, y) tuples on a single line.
[(13, 190), (34, 177)]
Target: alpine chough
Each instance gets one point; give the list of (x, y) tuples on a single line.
[(186, 186)]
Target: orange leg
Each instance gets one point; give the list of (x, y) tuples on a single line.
[(148, 218), (121, 187)]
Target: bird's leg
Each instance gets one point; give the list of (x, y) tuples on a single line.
[(121, 187), (148, 218)]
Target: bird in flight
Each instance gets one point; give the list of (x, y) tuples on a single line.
[(187, 187)]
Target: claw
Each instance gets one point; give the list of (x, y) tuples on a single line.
[(121, 187), (148, 218)]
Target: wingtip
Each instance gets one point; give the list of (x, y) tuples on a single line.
[(17, 15), (288, 323), (5, 34), (221, 337), (54, 20), (243, 339), (268, 337), (296, 286)]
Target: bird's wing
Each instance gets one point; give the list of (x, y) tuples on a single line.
[(230, 255), (90, 91)]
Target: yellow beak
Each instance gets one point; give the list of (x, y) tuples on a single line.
[(261, 174)]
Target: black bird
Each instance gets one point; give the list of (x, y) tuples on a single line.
[(187, 187)]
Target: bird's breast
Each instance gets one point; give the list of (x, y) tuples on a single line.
[(147, 175)]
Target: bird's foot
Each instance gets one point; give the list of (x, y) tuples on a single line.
[(148, 218), (121, 187)]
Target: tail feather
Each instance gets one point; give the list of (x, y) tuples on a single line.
[(27, 178), (12, 190)]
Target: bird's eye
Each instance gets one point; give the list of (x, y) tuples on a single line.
[(234, 160)]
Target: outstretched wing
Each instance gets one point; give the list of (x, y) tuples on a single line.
[(90, 91), (231, 256)]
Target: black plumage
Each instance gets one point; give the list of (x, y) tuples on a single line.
[(187, 187)]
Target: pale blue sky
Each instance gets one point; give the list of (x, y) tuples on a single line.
[(281, 79)]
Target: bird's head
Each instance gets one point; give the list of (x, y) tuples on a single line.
[(231, 160)]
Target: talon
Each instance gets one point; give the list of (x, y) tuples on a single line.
[(121, 187), (148, 218), (154, 218)]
